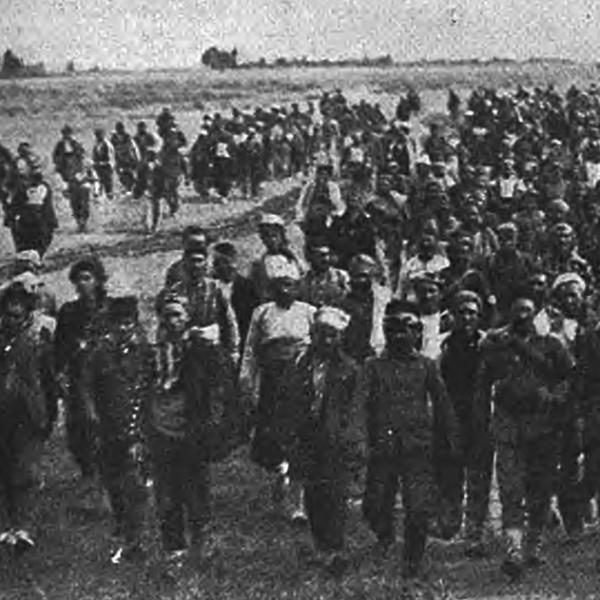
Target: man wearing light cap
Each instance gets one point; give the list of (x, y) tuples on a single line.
[(279, 331), (271, 229), (194, 237), (321, 384)]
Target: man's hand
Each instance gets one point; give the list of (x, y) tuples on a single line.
[(136, 452)]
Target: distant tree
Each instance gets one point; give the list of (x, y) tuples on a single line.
[(262, 62), (70, 68), (12, 65), (219, 59)]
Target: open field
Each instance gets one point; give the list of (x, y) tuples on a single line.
[(250, 554)]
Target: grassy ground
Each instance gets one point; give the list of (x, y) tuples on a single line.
[(250, 554)]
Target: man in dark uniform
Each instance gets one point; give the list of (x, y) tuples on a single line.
[(528, 374), (68, 155), (402, 433), (76, 333), (103, 155), (460, 362), (116, 380)]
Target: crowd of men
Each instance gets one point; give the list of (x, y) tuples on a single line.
[(441, 320)]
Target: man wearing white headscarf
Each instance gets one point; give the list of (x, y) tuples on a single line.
[(279, 331)]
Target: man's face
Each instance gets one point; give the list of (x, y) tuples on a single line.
[(428, 296), (539, 285), (522, 313), (326, 339), (385, 185), (124, 326), (570, 299), (196, 263), (271, 237), (86, 284), (467, 317), (175, 320), (472, 216), (507, 239), (320, 259), (225, 267), (403, 332), (360, 282), (284, 288), (427, 244), (15, 314)]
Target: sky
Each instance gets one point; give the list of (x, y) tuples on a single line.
[(173, 33)]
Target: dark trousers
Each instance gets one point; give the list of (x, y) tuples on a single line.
[(222, 176), (526, 472), (182, 487), (384, 471), (82, 440), (20, 450), (105, 175), (473, 466), (31, 235), (80, 198), (124, 483), (326, 485)]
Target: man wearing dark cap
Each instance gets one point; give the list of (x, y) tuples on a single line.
[(127, 156), (68, 155), (459, 364), (323, 284), (364, 336), (528, 376), (116, 380), (237, 289), (402, 432), (194, 238), (103, 156), (77, 330)]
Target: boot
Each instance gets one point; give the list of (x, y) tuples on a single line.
[(513, 563)]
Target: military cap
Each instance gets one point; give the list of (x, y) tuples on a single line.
[(67, 130), (569, 278), (29, 256), (509, 226), (279, 267), (123, 307), (271, 220), (225, 249), (396, 308), (91, 264), (425, 278), (562, 228), (362, 264), (333, 317)]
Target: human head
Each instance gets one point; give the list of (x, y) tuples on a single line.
[(507, 237), (467, 311), (562, 238), (225, 261), (428, 243), (283, 276), (361, 269), (173, 314), (323, 173), (402, 328), (119, 127), (428, 292), (16, 304), (318, 254), (99, 133), (271, 229), (328, 330), (123, 315), (538, 288), (522, 312), (460, 247), (569, 290), (89, 278), (557, 212), (67, 131)]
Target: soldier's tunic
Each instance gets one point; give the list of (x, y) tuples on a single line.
[(25, 377), (408, 416), (116, 379), (190, 423), (330, 438), (529, 393), (77, 328)]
